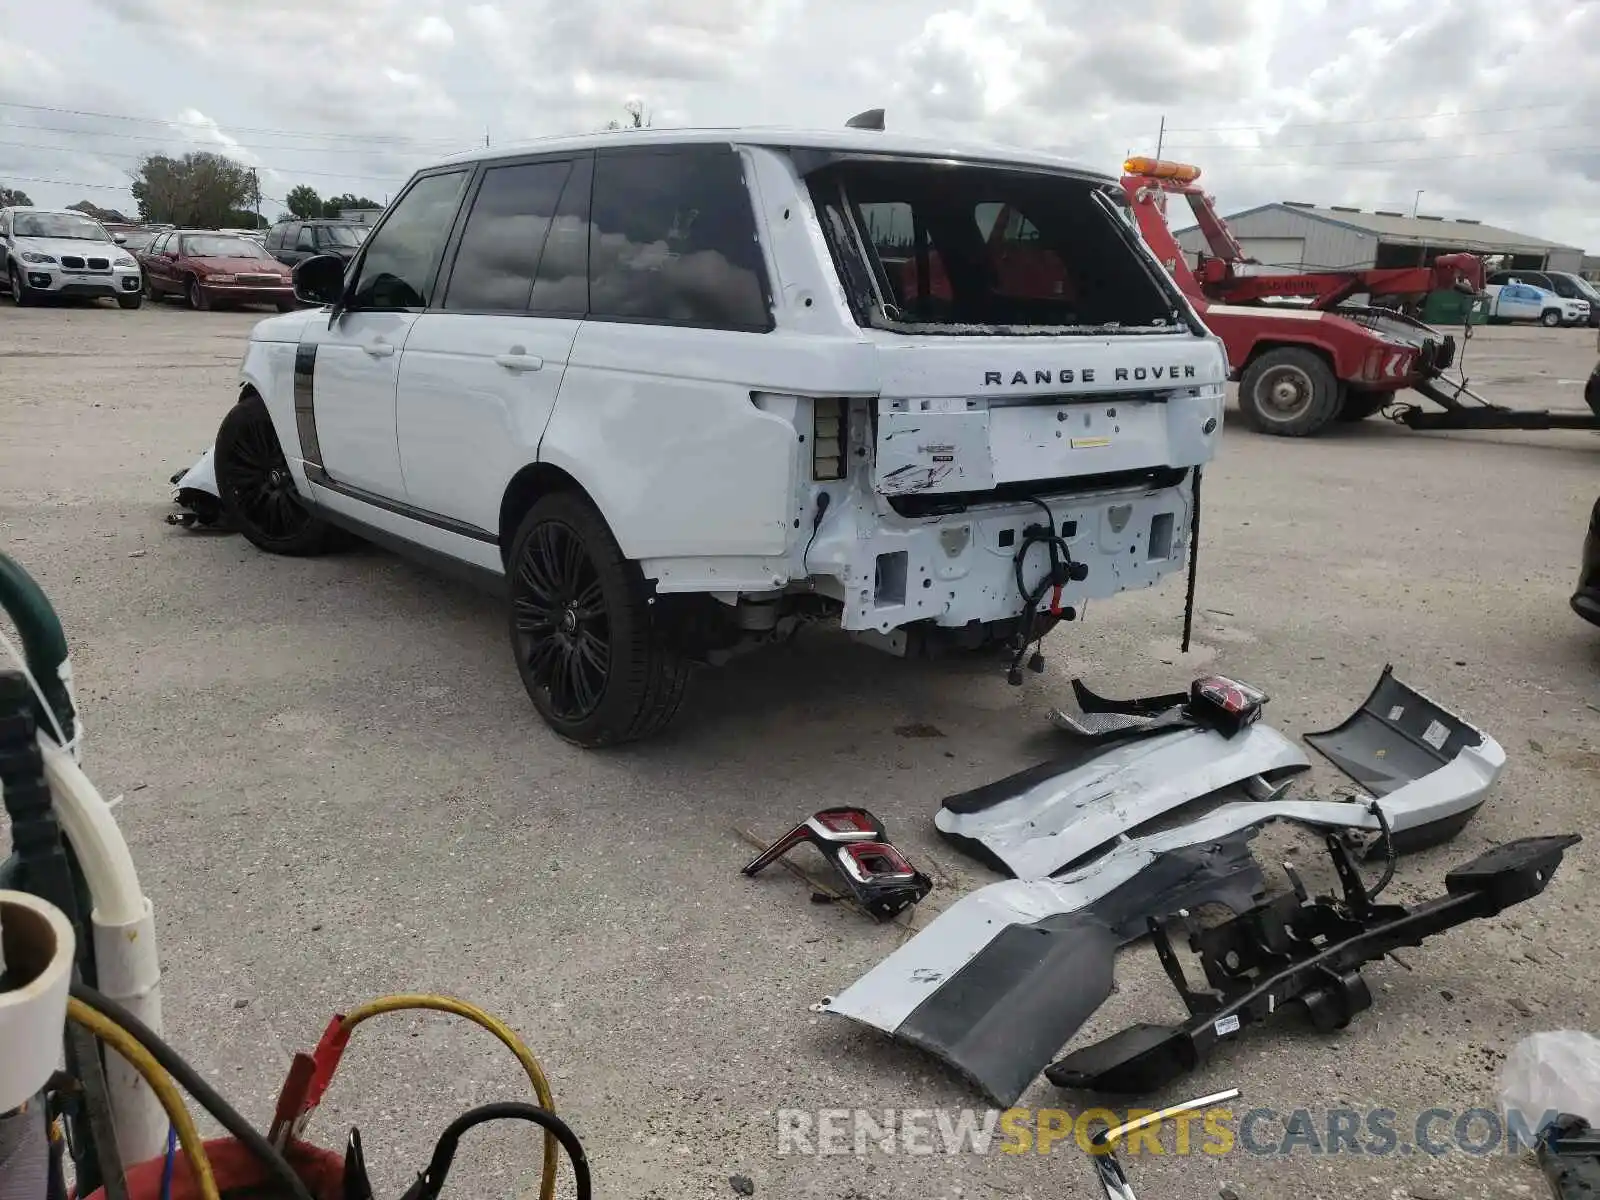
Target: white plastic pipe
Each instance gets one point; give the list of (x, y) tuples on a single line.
[(33, 1013), (123, 923)]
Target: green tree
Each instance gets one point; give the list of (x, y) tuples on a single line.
[(14, 197), (201, 190), (303, 202), (333, 205)]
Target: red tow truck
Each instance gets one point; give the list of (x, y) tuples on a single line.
[(1303, 354)]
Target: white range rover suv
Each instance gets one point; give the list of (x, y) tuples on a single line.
[(678, 391)]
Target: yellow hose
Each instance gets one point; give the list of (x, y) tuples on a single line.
[(142, 1061), (460, 1008)]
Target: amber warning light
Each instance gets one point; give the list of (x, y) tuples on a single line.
[(1158, 168)]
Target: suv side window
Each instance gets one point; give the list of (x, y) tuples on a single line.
[(403, 253), (306, 238), (561, 288), (504, 237), (673, 240)]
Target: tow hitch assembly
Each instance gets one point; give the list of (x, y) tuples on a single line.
[(1303, 951)]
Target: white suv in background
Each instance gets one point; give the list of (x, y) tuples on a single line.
[(49, 253), (679, 391)]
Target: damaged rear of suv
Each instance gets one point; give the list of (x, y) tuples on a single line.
[(686, 390)]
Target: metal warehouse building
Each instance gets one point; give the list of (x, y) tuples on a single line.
[(1295, 236)]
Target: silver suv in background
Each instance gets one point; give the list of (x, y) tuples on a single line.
[(51, 253)]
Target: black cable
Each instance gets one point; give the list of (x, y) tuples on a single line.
[(1391, 856), (190, 1080), (432, 1180), (823, 500), (1061, 564), (1194, 562)]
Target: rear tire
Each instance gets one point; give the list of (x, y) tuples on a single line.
[(589, 653), (258, 492), (1550, 318), (1289, 392)]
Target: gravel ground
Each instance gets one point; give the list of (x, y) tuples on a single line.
[(337, 789)]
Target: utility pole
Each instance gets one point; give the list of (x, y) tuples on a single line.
[(486, 137), (1416, 201), (255, 188), (1161, 136)]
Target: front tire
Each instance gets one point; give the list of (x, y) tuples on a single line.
[(1550, 318), (1289, 392), (582, 628), (21, 294), (198, 300), (133, 301), (258, 492)]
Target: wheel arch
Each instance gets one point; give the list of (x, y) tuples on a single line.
[(1268, 344), (527, 487)]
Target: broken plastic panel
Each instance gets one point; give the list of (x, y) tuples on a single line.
[(1040, 821), (1416, 754), (1429, 770), (880, 878), (999, 981), (1299, 951)]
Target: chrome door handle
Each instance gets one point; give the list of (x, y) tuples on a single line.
[(518, 361), (379, 349)]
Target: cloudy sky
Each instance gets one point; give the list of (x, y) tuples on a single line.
[(1488, 107)]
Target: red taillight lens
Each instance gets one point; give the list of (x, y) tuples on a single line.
[(847, 820), (876, 862)]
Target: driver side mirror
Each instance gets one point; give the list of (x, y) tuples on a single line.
[(320, 279)]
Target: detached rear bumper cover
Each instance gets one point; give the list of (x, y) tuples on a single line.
[(1035, 823), (1429, 769), (1009, 969)]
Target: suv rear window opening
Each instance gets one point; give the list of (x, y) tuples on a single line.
[(974, 249)]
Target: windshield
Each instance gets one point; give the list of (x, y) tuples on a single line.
[(340, 235), (1586, 289), (137, 240), (984, 250), (58, 225), (217, 246)]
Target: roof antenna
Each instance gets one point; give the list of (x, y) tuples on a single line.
[(871, 119)]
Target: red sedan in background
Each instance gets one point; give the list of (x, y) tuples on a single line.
[(212, 269)]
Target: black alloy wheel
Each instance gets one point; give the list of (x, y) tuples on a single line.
[(563, 629), (258, 492), (583, 631)]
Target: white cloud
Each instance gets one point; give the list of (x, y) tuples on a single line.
[(434, 31), (1486, 106)]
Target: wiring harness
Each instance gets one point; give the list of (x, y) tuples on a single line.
[(261, 1160)]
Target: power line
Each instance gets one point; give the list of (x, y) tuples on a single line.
[(105, 187), (230, 144), (1420, 137), (214, 125), (1460, 112), (1362, 162), (263, 166)]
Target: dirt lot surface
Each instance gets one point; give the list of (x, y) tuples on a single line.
[(335, 788)]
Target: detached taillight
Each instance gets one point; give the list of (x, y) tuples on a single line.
[(827, 439)]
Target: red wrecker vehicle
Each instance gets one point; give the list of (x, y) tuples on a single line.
[(1304, 356)]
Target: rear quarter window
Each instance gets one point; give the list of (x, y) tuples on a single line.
[(672, 240)]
